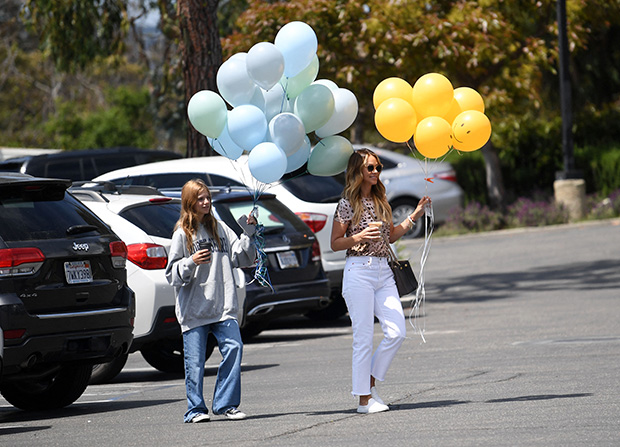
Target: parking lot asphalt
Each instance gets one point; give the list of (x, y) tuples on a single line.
[(522, 349)]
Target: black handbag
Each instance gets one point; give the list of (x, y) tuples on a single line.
[(404, 277)]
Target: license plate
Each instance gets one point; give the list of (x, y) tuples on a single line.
[(287, 259), (78, 272)]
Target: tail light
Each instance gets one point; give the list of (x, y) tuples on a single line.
[(316, 251), (20, 261), (118, 252), (449, 176), (315, 221), (14, 334), (148, 256)]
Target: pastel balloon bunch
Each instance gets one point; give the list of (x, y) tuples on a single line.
[(275, 103), (437, 116)]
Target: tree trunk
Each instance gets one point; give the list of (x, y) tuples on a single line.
[(202, 56), (495, 181)]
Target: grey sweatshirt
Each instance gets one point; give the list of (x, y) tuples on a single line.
[(206, 293)]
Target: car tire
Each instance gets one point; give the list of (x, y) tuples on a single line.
[(54, 391), (401, 208), (167, 355), (251, 329), (105, 372), (334, 310)]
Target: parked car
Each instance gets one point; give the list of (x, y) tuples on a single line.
[(293, 258), (312, 198), (144, 220), (64, 300), (83, 164)]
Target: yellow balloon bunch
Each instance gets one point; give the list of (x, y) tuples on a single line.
[(437, 116)]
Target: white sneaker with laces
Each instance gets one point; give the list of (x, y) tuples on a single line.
[(372, 407), (235, 414), (375, 395), (202, 417)]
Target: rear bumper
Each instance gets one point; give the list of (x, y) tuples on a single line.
[(165, 327), (87, 336), (289, 299)]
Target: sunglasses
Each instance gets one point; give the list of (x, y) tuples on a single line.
[(371, 168)]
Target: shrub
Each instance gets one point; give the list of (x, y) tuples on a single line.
[(473, 218), (531, 213)]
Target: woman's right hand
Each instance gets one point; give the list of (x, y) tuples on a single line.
[(369, 234), (202, 256)]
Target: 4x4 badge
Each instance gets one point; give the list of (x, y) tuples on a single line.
[(80, 247)]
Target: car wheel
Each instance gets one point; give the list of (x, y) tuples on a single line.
[(104, 372), (334, 310), (401, 208), (56, 390), (167, 355)]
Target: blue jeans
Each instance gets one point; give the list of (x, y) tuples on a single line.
[(227, 392)]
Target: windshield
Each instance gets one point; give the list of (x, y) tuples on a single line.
[(311, 188)]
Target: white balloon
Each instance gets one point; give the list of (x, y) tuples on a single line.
[(298, 44), (287, 131), (267, 162), (233, 81), (327, 83), (265, 64), (272, 101), (247, 126), (345, 112)]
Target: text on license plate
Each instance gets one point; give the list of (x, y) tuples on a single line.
[(78, 272), (287, 259)]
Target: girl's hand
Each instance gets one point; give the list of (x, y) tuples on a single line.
[(202, 257), (252, 220)]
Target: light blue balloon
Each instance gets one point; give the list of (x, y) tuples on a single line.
[(234, 82), (299, 157), (298, 44), (267, 162), (247, 126), (287, 131), (295, 85), (224, 145), (330, 156)]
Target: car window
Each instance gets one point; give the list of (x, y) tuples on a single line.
[(387, 164), (311, 188), (154, 219), (176, 180), (110, 163), (42, 212), (65, 168), (272, 214)]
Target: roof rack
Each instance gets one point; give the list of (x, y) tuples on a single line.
[(112, 188)]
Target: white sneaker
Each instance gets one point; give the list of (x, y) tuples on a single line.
[(235, 414), (372, 407), (202, 417), (375, 395)]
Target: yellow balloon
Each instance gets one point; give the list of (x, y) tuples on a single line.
[(395, 120), (433, 137), (469, 99), (391, 88), (432, 95), (455, 110), (470, 131)]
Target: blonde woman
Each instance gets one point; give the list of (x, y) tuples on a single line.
[(363, 226), (202, 256)]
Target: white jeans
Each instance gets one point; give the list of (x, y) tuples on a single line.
[(369, 290)]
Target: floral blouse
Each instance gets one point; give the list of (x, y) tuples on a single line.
[(344, 214)]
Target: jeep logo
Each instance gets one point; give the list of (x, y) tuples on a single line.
[(80, 247)]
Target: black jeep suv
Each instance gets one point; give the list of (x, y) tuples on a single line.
[(64, 300)]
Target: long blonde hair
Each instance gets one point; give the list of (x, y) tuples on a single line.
[(189, 220), (353, 188)]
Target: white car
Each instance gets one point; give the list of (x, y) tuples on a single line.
[(312, 198), (143, 219)]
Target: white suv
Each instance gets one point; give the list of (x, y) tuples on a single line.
[(142, 218)]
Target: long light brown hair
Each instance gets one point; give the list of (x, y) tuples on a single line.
[(353, 188), (189, 220)]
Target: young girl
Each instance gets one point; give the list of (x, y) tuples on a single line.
[(206, 299), (363, 226)]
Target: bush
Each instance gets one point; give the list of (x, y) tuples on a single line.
[(531, 213), (473, 218)]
